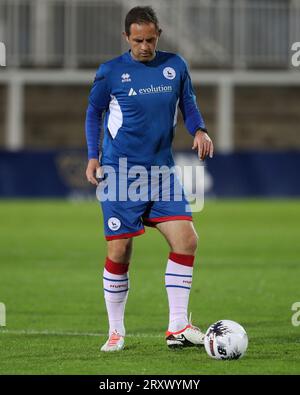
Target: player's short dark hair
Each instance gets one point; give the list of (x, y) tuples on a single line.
[(141, 15)]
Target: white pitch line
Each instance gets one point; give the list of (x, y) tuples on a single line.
[(57, 333)]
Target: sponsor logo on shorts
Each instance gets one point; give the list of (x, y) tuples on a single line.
[(114, 223)]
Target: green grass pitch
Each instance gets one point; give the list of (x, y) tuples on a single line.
[(51, 259)]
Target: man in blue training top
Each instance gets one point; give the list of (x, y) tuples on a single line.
[(140, 92)]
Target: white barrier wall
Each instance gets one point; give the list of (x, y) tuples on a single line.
[(225, 82)]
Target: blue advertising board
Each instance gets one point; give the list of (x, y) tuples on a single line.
[(55, 174)]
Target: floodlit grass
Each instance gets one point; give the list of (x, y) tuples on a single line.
[(51, 261)]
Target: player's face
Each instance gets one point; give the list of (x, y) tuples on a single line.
[(143, 40)]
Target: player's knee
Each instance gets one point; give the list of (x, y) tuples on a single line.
[(187, 244), (191, 243), (120, 250)]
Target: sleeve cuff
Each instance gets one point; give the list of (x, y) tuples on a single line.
[(199, 128), (202, 130), (93, 155)]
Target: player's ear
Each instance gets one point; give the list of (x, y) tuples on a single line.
[(159, 32), (124, 34)]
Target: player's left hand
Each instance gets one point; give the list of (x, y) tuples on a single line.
[(204, 144), (93, 171)]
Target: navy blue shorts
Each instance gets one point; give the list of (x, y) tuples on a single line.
[(133, 205)]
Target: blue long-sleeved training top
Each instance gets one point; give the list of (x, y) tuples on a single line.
[(140, 101)]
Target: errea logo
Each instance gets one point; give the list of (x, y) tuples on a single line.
[(126, 77)]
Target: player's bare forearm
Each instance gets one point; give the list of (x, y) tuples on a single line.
[(93, 171), (204, 145)]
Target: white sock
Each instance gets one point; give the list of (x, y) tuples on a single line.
[(116, 287), (178, 281)]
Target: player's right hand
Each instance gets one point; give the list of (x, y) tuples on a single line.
[(93, 171)]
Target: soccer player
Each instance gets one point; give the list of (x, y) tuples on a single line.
[(139, 92)]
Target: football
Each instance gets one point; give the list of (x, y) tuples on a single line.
[(226, 339)]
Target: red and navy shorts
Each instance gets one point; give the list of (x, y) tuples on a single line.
[(152, 203)]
